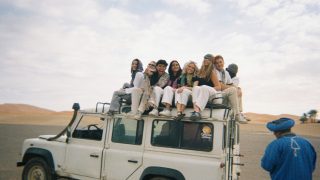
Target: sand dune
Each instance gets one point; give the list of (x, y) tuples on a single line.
[(31, 115), (8, 108), (264, 118)]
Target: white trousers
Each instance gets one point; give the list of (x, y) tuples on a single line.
[(183, 97), (231, 95), (201, 94), (135, 99), (167, 97), (156, 93)]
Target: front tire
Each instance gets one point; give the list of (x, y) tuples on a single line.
[(37, 169)]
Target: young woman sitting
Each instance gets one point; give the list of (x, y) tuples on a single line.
[(168, 92), (185, 84), (206, 85), (125, 91)]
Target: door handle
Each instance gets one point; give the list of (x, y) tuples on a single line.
[(132, 161), (94, 155)]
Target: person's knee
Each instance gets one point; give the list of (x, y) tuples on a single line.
[(137, 91)]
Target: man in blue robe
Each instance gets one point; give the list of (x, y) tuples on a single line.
[(289, 157)]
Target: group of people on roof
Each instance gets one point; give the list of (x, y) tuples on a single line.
[(150, 86)]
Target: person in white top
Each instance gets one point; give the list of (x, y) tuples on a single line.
[(228, 89), (141, 95), (125, 91)]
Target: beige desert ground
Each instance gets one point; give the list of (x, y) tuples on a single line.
[(31, 121)]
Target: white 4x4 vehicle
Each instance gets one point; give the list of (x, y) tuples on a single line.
[(98, 146)]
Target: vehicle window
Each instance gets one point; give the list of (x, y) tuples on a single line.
[(182, 135), (89, 127), (127, 131)]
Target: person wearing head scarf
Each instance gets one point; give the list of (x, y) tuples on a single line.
[(232, 69), (289, 156), (125, 91)]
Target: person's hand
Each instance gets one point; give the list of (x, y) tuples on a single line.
[(180, 90)]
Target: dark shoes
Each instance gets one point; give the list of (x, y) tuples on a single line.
[(179, 116), (195, 116), (111, 112)]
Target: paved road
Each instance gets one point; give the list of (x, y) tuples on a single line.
[(252, 147)]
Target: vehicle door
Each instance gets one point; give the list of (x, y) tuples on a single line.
[(124, 155), (85, 146)]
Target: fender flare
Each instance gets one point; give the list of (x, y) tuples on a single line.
[(38, 152), (162, 171)]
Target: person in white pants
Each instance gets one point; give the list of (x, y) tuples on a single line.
[(185, 84), (125, 91), (229, 90), (161, 78), (233, 70), (169, 91), (206, 84), (141, 95), (152, 92)]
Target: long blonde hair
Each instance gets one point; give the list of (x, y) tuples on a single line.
[(205, 71), (196, 69)]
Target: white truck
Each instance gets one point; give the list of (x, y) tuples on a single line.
[(116, 147)]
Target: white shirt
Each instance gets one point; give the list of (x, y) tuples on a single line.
[(137, 82), (235, 81), (225, 79)]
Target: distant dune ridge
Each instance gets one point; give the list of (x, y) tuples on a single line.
[(8, 108), (27, 114), (18, 109), (264, 118)]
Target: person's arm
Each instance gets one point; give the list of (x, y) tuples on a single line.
[(228, 82), (215, 81), (162, 82), (137, 82), (271, 157), (314, 154)]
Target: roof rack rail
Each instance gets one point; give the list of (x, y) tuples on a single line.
[(103, 103)]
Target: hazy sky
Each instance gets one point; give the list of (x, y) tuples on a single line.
[(54, 53)]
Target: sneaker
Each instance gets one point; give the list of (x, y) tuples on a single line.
[(165, 112), (138, 116), (179, 116), (111, 112), (195, 116), (154, 112), (241, 119)]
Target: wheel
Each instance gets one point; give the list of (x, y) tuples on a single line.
[(37, 169)]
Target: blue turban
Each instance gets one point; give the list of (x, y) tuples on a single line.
[(280, 124)]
